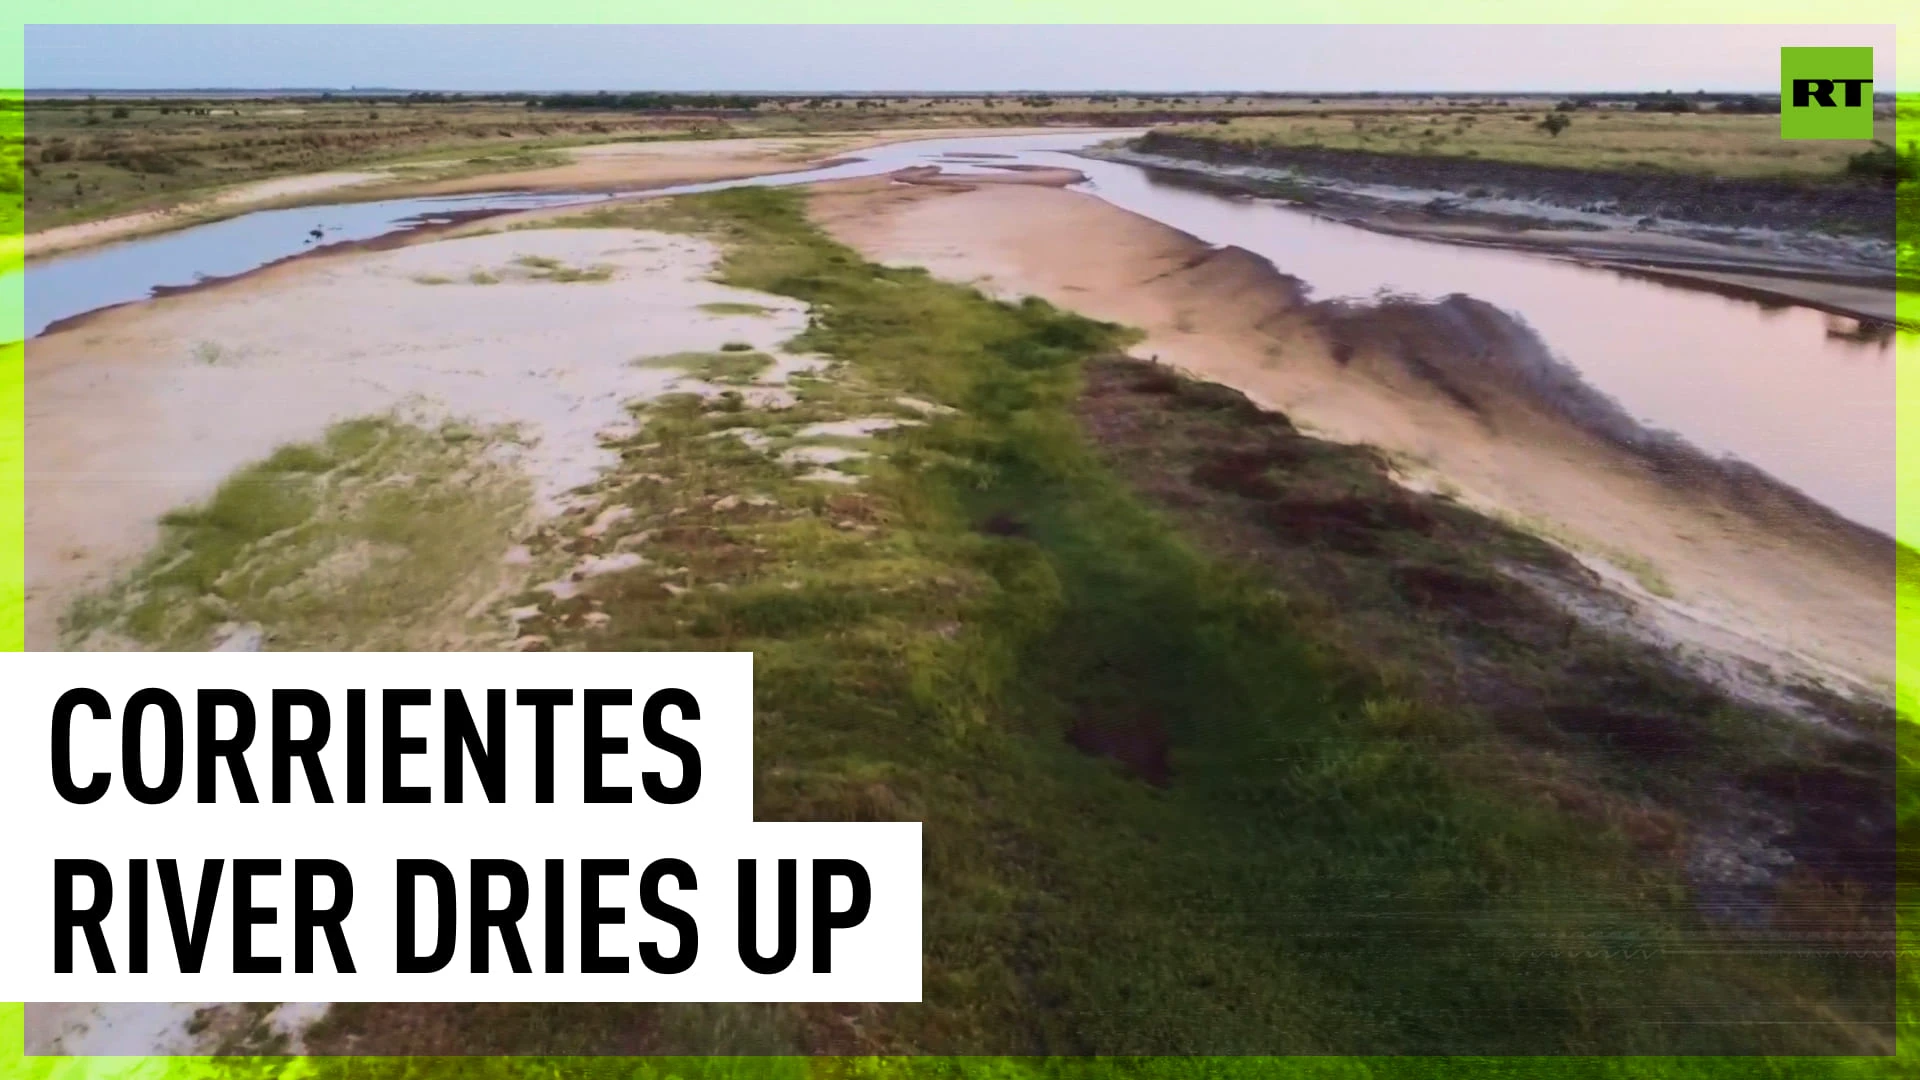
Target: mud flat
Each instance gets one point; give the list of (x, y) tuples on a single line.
[(1769, 584)]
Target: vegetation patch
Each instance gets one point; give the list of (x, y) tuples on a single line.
[(731, 368), (542, 268), (728, 307), (374, 537)]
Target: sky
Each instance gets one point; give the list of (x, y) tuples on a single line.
[(941, 58)]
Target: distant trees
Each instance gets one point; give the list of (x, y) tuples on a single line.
[(1668, 102), (649, 102), (1555, 123)]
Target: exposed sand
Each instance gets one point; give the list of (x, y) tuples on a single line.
[(149, 407), (1802, 596)]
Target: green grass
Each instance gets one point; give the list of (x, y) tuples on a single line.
[(375, 537), (1334, 868), (543, 268), (727, 366)]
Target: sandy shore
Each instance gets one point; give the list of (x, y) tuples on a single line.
[(1755, 582), (618, 166), (149, 407)]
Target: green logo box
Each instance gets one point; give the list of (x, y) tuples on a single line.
[(1826, 93)]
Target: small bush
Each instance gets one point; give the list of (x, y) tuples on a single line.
[(1884, 164)]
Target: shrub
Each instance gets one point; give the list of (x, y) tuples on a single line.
[(1885, 164)]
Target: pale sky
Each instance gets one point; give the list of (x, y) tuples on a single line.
[(1051, 58)]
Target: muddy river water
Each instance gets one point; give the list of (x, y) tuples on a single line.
[(1796, 392)]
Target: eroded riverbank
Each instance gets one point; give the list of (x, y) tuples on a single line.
[(1741, 570)]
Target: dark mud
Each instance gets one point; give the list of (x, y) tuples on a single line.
[(1859, 209)]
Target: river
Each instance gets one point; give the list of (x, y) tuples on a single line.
[(1794, 391)]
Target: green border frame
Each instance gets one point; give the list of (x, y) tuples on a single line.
[(14, 1065)]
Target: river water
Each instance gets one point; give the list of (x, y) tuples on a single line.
[(1791, 390)]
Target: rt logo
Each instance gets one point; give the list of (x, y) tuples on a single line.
[(1826, 93)]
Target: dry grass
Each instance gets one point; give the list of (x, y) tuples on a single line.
[(1612, 140)]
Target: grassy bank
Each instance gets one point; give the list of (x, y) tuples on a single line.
[(1172, 804)]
